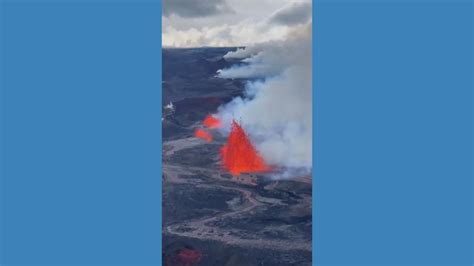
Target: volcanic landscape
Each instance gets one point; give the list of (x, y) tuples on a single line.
[(210, 216)]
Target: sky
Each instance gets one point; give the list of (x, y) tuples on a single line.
[(195, 23)]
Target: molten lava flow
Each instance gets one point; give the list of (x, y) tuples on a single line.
[(186, 257), (239, 155), (199, 133), (212, 122)]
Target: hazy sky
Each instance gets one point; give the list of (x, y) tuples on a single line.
[(196, 23)]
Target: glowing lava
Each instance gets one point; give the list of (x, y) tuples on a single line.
[(211, 122), (239, 155), (185, 257), (199, 133)]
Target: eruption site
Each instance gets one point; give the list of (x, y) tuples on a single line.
[(282, 69), (199, 133), (239, 155)]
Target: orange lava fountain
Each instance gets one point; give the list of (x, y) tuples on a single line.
[(239, 155), (212, 122), (199, 133)]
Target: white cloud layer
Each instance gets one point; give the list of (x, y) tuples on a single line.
[(230, 22), (292, 14), (195, 8)]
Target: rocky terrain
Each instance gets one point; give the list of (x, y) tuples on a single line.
[(211, 217)]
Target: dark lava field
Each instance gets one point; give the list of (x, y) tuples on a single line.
[(209, 216)]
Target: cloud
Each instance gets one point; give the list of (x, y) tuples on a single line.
[(292, 14), (276, 20), (244, 33), (195, 8), (276, 111)]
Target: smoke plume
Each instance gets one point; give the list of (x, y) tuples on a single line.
[(276, 109)]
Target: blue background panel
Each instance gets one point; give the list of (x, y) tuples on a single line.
[(393, 138), (81, 132)]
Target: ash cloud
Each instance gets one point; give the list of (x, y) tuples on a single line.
[(276, 110), (195, 8)]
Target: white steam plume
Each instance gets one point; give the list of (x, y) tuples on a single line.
[(276, 110)]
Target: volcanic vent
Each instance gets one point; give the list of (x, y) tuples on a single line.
[(239, 155)]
